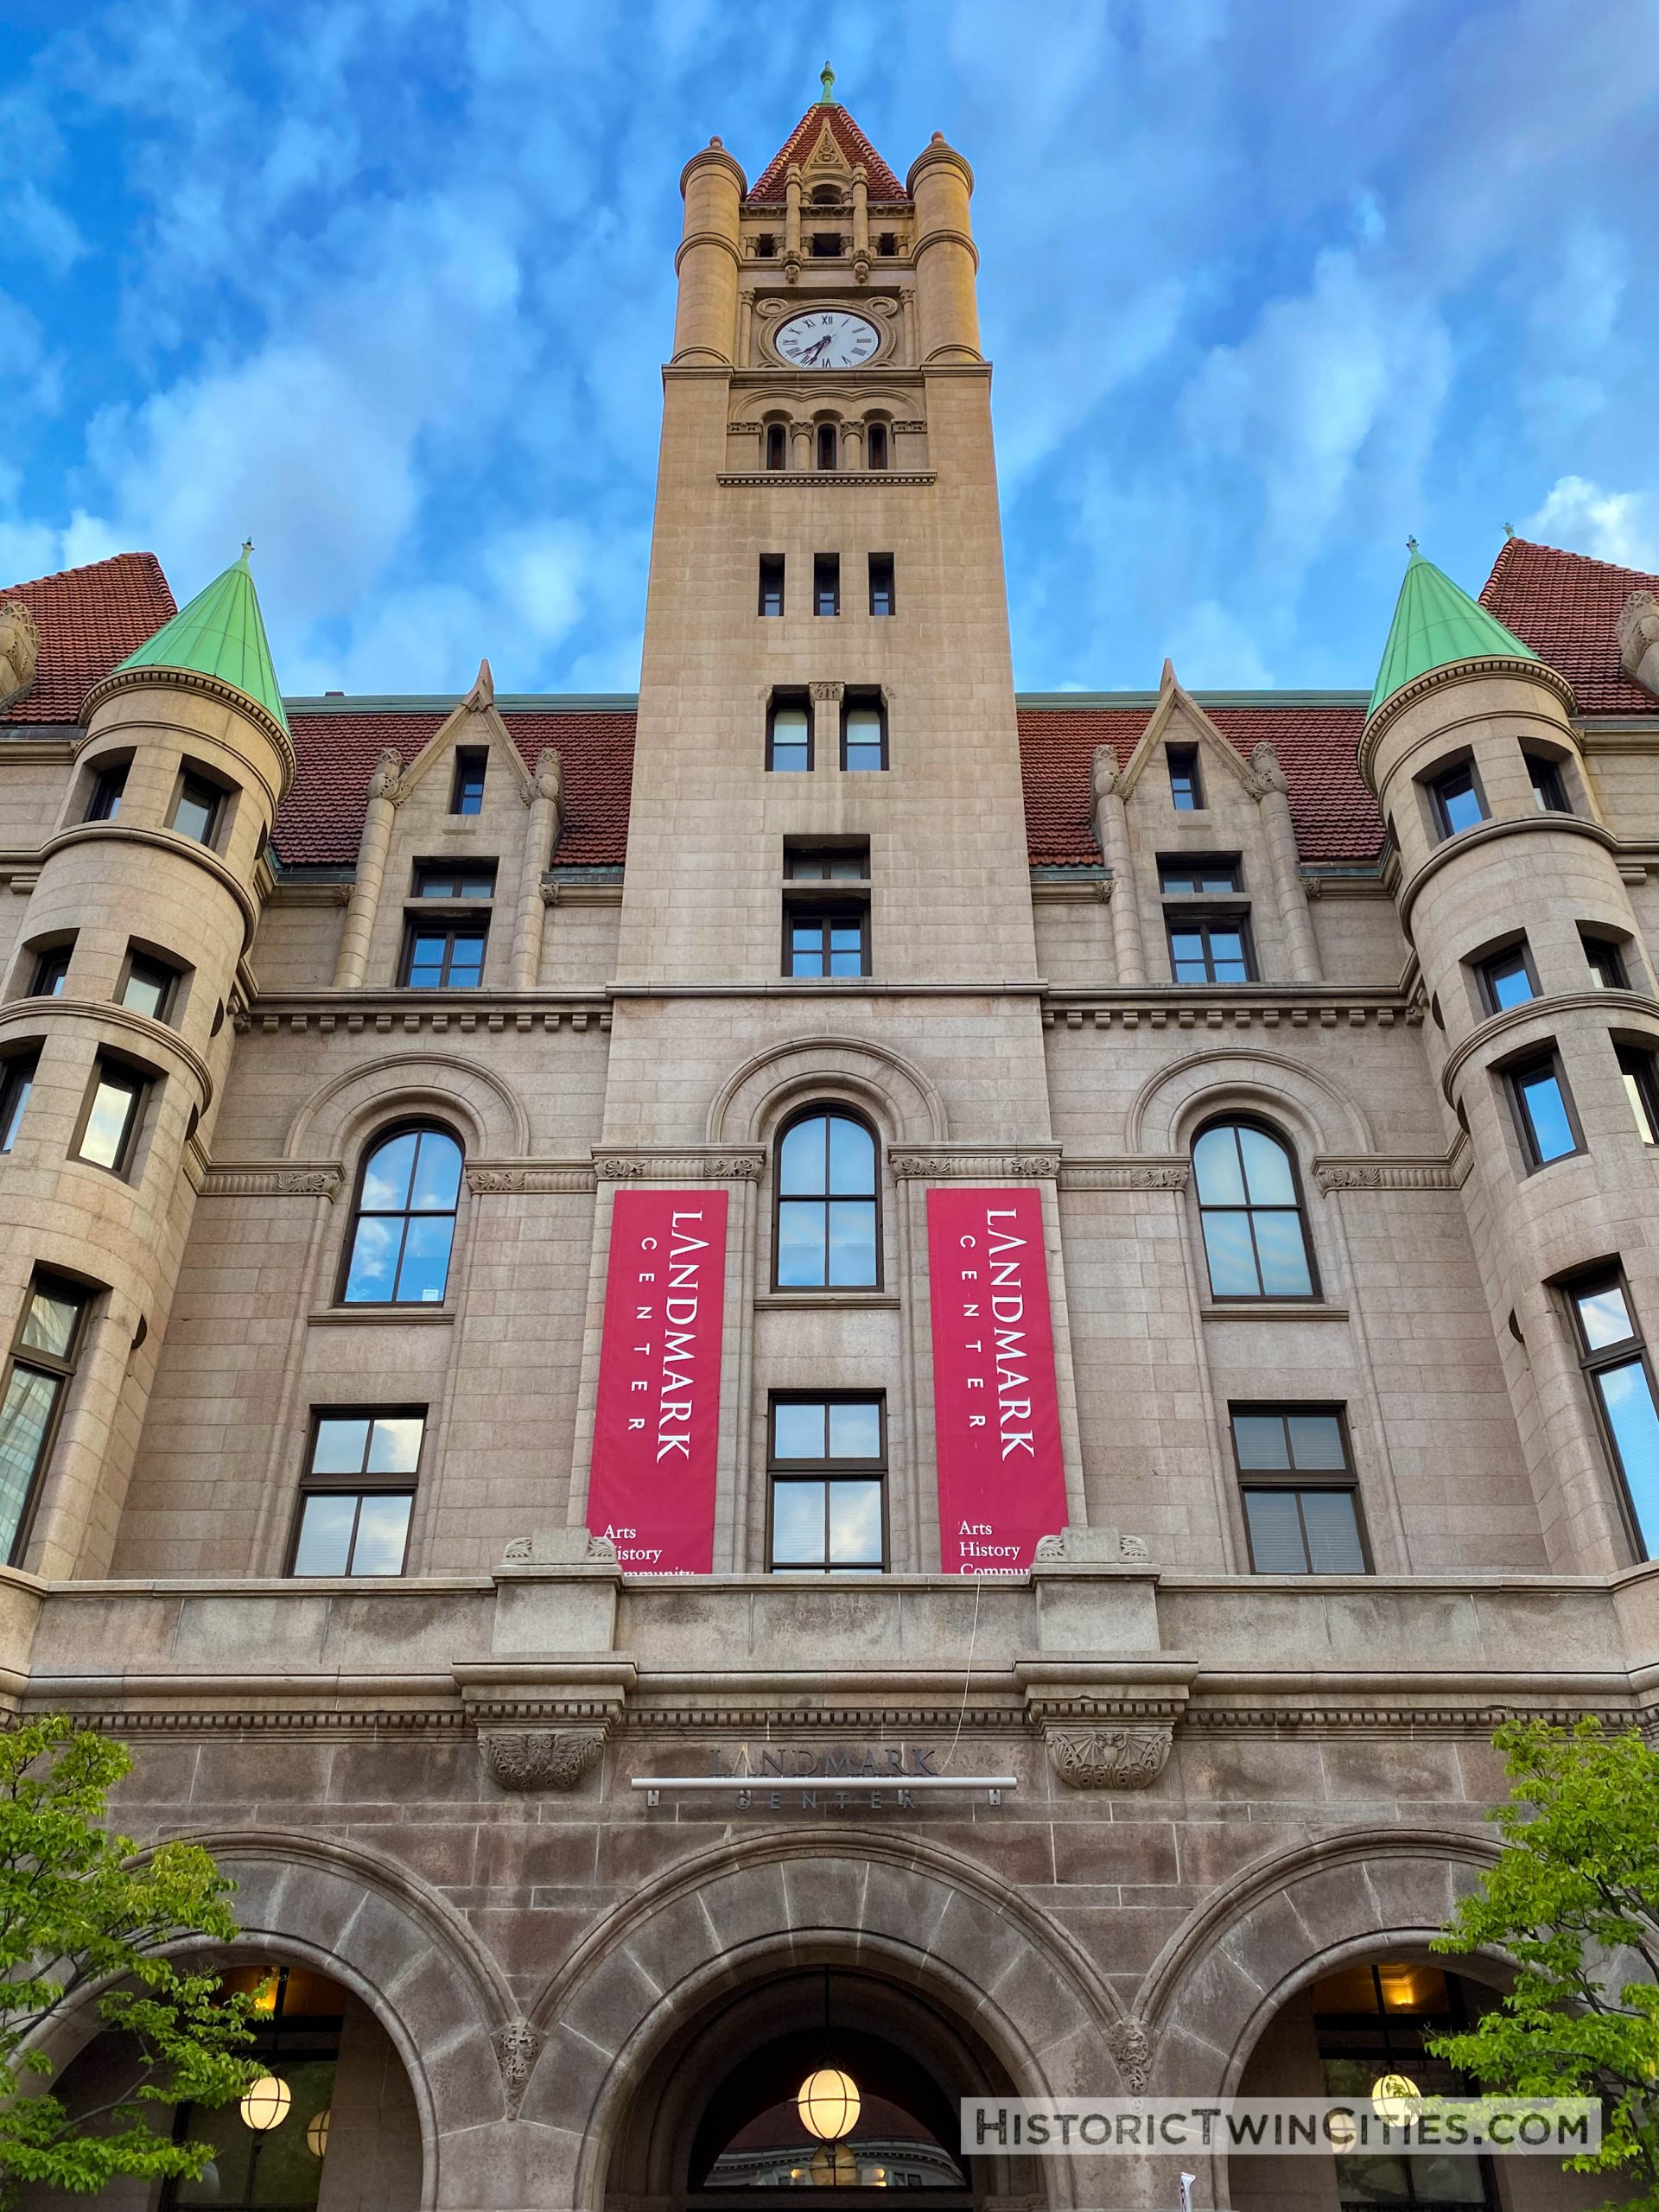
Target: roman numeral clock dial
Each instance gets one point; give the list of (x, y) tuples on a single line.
[(828, 337)]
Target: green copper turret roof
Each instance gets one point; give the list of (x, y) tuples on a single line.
[(1435, 624), (220, 633)]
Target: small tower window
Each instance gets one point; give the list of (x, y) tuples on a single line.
[(777, 445), (1549, 793), (829, 439), (826, 195), (108, 788), (887, 244), (826, 583), (467, 793), (1185, 788), (772, 583), (875, 445), (765, 247), (826, 246), (881, 583)]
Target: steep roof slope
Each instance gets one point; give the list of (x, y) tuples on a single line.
[(89, 619), (1566, 605), (768, 189)]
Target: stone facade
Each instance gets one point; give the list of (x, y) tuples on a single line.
[(1166, 1794)]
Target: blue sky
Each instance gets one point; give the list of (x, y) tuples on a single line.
[(386, 284)]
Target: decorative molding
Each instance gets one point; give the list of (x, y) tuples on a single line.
[(1224, 1006), (1107, 1175), (645, 1165), (284, 1182), (533, 1175), (1092, 1547), (1131, 2046), (560, 1547), (1601, 1003), (824, 478), (1486, 833), (1472, 671), (1110, 1758), (517, 2047), (541, 1758), (910, 1166), (412, 1013), (1385, 1174)]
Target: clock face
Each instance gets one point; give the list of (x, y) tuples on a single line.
[(828, 338)]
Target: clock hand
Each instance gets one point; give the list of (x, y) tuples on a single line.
[(813, 352)]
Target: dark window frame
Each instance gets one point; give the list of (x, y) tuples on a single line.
[(18, 1070), (170, 975), (142, 1081), (1505, 956), (109, 788), (830, 1108), (198, 784), (1201, 920), (1585, 1282), (826, 1470), (883, 586), (359, 1486), (1314, 1295), (863, 702), (1548, 784), (425, 871), (1434, 783), (828, 913), (777, 442), (1172, 865), (826, 585), (826, 439), (372, 1146), (769, 596), (61, 1368), (790, 703), (1514, 1075), (1297, 1480), (468, 778), (1182, 762), (1640, 1071), (827, 245), (50, 968), (797, 850), (455, 928), (1600, 947), (878, 440)]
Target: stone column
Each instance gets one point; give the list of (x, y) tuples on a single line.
[(385, 789), (1273, 796), (1112, 835), (800, 445), (826, 723), (947, 260), (852, 445), (861, 223), (705, 324), (545, 821), (792, 222)]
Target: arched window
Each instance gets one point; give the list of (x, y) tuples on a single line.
[(1254, 1237), (777, 445), (826, 1231), (405, 1222), (829, 440), (875, 444)]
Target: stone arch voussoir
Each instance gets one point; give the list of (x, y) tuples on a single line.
[(1317, 1111), (490, 1114), (906, 1103)]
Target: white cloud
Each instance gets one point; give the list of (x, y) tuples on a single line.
[(1580, 518), (1213, 650)]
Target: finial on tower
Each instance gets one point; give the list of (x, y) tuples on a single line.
[(247, 548), (1509, 530), (827, 78), (1411, 545)]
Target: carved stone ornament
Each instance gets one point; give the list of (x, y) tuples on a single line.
[(20, 650), (1111, 1757), (560, 1547), (517, 2047), (696, 1168), (549, 776), (1107, 773), (1131, 2046), (1638, 640), (386, 780), (541, 1758), (968, 1167), (1385, 1175), (1093, 1547), (1266, 773)]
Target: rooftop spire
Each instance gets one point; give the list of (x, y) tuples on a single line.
[(220, 633), (1434, 625), (827, 78)]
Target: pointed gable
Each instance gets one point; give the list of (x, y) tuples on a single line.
[(801, 143), (1566, 605), (89, 618)]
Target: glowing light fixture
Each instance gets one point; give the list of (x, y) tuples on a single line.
[(316, 2133), (266, 2105), (828, 2103), (1395, 2098)]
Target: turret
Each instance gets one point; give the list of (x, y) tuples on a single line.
[(705, 326), (1543, 1016), (947, 260), (148, 893)]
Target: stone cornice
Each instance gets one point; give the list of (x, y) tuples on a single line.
[(1130, 1173), (647, 1163), (493, 1177), (1221, 1006), (441, 1011), (1461, 671), (211, 687), (1378, 1172), (1039, 1163), (286, 1178), (823, 480)]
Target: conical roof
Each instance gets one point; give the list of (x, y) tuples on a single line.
[(1435, 624), (220, 633)]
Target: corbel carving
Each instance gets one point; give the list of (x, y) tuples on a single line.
[(1110, 1759), (387, 780), (1131, 2046), (517, 2047), (540, 1758), (1638, 640), (827, 691), (1093, 1547), (1107, 774), (20, 652), (1265, 773)]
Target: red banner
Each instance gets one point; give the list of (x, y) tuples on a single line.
[(996, 1409), (655, 1431)]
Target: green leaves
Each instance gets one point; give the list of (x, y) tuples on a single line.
[(77, 1913), (1574, 1900)]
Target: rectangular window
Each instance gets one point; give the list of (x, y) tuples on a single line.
[(467, 791), (772, 583), (863, 734), (826, 246), (454, 879), (438, 959), (827, 863), (829, 939), (1210, 949), (789, 736), (358, 1493), (1192, 879), (50, 970), (1605, 963), (1457, 798), (1635, 1066), (1549, 794), (37, 1378), (826, 582), (1185, 787), (109, 1120), (1543, 1110), (765, 247), (828, 1458), (1615, 1362), (147, 986), (1506, 979), (109, 787), (881, 600), (196, 809), (17, 1081), (1301, 1502)]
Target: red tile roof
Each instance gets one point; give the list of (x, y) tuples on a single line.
[(768, 191), (89, 619), (1565, 607), (1336, 817)]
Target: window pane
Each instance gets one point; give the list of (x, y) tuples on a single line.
[(24, 1419), (1215, 1163), (806, 951), (426, 963), (791, 759), (1186, 953), (425, 1271), (1282, 1254), (1459, 802), (385, 1181), (1275, 1532), (856, 1523), (1266, 1169), (798, 1430), (395, 1448), (1316, 1441), (194, 815), (1332, 1532), (847, 950), (340, 1445), (1546, 1112), (1630, 1408), (50, 1325), (1260, 1439), (382, 1535), (374, 1260), (1508, 982), (801, 1254), (14, 1096), (1232, 1259), (466, 962), (1227, 955), (852, 1242), (801, 1158), (863, 725), (325, 1539), (797, 1522), (1633, 1091), (852, 1158), (856, 1430), (789, 730), (145, 990), (106, 1125), (1604, 1316), (437, 1173)]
